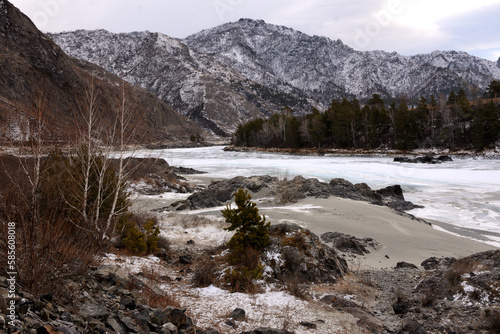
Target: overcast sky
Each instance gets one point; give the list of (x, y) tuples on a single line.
[(405, 26)]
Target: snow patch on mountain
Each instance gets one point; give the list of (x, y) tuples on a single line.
[(228, 74)]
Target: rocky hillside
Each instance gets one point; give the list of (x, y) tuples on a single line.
[(238, 70), (323, 68), (32, 66), (209, 92)]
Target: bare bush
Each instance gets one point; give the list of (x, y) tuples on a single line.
[(205, 273), (48, 249), (156, 299), (429, 298), (457, 270), (296, 288), (492, 321), (287, 192)]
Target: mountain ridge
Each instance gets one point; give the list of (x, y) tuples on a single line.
[(228, 74)]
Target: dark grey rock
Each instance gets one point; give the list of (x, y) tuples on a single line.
[(267, 330), (231, 323), (93, 311), (161, 253), (128, 302), (173, 315), (116, 325), (401, 308), (308, 325), (427, 159), (305, 257), (221, 191), (143, 316), (348, 243), (403, 265), (413, 327), (238, 314), (435, 263), (97, 325), (185, 259), (208, 331), (129, 324), (113, 273)]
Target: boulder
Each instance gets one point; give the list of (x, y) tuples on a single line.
[(435, 263), (348, 243), (93, 311), (116, 325), (238, 314), (161, 253), (413, 327), (128, 302), (113, 273), (185, 259), (405, 265), (401, 307), (222, 191), (267, 330), (175, 316), (426, 159), (304, 256)]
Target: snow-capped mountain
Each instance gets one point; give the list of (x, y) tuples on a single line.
[(231, 73), (323, 68), (213, 94)]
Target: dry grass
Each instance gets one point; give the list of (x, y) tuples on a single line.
[(492, 321), (155, 299), (429, 298), (352, 284), (205, 272), (192, 221), (297, 240), (457, 270), (151, 273), (295, 287)]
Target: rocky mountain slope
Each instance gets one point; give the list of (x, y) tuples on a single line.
[(323, 68), (215, 95), (33, 66), (248, 68)]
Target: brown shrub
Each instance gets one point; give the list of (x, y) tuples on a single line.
[(298, 240), (429, 298), (492, 321), (205, 273), (457, 270), (295, 287), (156, 299), (49, 250)]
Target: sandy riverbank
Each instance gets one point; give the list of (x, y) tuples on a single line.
[(401, 238)]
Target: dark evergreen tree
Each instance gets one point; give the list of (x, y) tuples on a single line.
[(252, 230), (494, 88)]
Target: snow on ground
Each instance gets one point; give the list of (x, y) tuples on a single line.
[(203, 230), (210, 307)]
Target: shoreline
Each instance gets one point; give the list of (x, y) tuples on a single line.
[(402, 238), (489, 154)]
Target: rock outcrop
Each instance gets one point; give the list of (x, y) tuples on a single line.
[(219, 192), (426, 159), (296, 253)]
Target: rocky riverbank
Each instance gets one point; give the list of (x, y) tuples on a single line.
[(336, 264), (164, 295), (290, 191)]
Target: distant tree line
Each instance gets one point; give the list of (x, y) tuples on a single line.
[(446, 121)]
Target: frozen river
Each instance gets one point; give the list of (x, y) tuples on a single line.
[(464, 193)]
